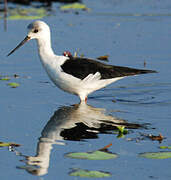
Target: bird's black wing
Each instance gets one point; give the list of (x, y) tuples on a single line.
[(82, 67)]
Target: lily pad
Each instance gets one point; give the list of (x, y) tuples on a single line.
[(13, 84), (75, 6), (89, 174), (7, 144), (4, 78), (165, 147), (96, 155), (156, 155), (26, 13)]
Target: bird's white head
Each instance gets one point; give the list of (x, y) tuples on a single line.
[(36, 30)]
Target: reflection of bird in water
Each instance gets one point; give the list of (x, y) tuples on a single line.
[(79, 76), (75, 122)]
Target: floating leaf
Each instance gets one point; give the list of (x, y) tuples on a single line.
[(165, 147), (156, 155), (7, 144), (90, 174), (6, 78), (96, 155), (29, 13), (13, 84), (103, 58), (76, 6)]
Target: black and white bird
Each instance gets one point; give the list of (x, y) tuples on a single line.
[(79, 76)]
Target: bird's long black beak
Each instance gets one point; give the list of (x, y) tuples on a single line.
[(26, 39)]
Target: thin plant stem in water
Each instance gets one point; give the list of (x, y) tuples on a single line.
[(5, 15)]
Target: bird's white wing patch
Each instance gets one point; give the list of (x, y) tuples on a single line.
[(92, 77)]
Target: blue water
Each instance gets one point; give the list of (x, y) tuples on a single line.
[(131, 33)]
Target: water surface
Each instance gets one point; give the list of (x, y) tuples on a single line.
[(43, 119)]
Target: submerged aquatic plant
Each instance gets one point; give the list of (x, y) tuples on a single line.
[(25, 13)]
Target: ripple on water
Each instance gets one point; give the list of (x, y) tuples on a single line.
[(151, 94)]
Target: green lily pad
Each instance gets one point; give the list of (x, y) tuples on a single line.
[(156, 155), (7, 144), (13, 84), (26, 13), (89, 174), (165, 147), (4, 78), (96, 155), (75, 6)]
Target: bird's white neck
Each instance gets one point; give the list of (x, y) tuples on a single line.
[(45, 49)]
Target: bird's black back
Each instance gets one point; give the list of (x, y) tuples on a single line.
[(82, 67)]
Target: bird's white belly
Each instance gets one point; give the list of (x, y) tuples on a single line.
[(64, 81)]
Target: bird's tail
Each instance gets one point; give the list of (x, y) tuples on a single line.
[(126, 71)]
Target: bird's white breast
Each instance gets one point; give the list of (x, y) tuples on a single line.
[(61, 79)]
